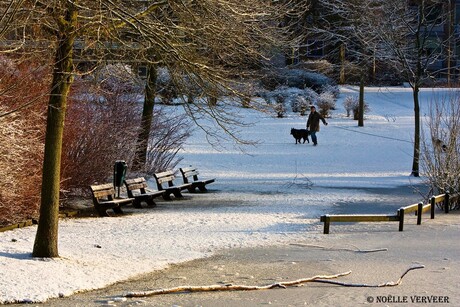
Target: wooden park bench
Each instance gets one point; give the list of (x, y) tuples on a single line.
[(104, 199), (165, 183), (190, 175), (137, 188)]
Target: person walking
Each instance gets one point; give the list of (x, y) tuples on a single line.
[(313, 123)]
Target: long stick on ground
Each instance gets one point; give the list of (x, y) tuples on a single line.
[(230, 287), (356, 250)]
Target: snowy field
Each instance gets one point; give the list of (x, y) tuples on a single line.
[(273, 193)]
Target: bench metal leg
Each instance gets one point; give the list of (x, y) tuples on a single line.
[(178, 194), (117, 210), (102, 212), (191, 190), (137, 203), (150, 202)]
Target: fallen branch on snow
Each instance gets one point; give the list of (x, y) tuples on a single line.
[(357, 250), (230, 287)]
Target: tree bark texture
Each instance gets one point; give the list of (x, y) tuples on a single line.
[(146, 120), (361, 103), (46, 240), (416, 156)]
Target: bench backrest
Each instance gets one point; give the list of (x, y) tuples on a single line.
[(103, 190), (167, 176), (136, 184), (188, 172)]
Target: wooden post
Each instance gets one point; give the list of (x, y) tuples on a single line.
[(446, 203), (327, 220), (419, 213), (433, 205), (401, 219)]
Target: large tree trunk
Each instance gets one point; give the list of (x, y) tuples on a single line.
[(146, 120), (46, 240), (416, 157)]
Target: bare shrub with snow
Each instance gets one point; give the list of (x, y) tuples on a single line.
[(326, 103), (22, 124), (298, 99), (102, 126), (167, 137), (441, 149), (297, 78), (165, 86), (321, 66), (21, 150), (299, 104), (351, 104), (99, 130), (280, 107)]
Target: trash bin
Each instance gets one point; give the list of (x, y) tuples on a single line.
[(119, 173)]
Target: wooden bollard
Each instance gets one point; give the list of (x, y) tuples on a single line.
[(419, 213), (401, 219), (433, 205)]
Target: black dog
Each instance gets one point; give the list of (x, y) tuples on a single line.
[(299, 134)]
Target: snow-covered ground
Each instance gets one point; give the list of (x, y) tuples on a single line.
[(273, 193)]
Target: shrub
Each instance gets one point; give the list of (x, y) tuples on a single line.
[(321, 66), (165, 86), (110, 76), (326, 103), (351, 104), (21, 138), (102, 127), (300, 104), (291, 96), (21, 154), (98, 131), (330, 88), (295, 78), (441, 150), (279, 107), (169, 133)]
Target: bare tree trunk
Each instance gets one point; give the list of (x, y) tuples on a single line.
[(146, 120), (448, 31), (46, 240), (416, 157), (361, 103), (342, 64)]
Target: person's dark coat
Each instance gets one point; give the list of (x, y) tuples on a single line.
[(313, 121)]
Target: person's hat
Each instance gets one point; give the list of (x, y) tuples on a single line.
[(312, 107)]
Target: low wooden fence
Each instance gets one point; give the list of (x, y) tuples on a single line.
[(418, 209)]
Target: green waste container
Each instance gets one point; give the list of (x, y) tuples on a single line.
[(119, 174)]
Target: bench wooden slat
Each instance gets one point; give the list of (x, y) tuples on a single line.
[(165, 182), (136, 188), (192, 173), (104, 199)]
